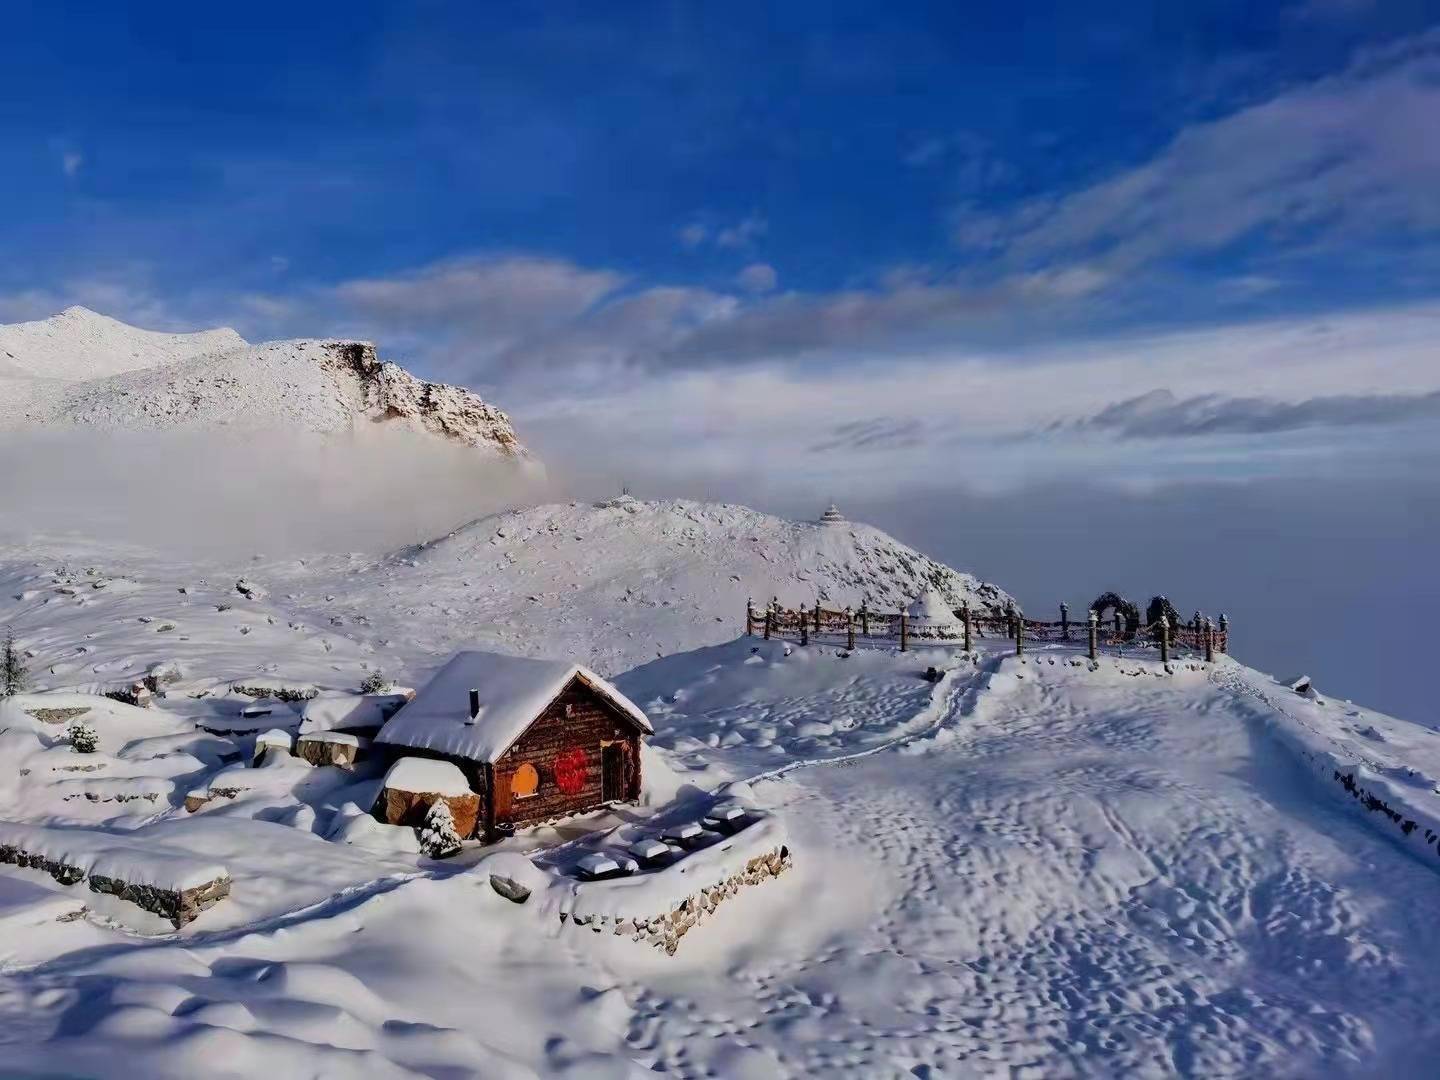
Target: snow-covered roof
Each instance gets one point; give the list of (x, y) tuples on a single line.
[(514, 691), (341, 712), (931, 606)]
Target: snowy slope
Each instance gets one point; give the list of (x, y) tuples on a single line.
[(610, 586), (616, 583), (1035, 868), (79, 344), (82, 369)]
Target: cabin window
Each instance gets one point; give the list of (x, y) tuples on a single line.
[(525, 782)]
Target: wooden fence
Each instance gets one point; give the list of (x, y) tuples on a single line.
[(1199, 633)]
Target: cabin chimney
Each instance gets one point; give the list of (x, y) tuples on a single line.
[(474, 705)]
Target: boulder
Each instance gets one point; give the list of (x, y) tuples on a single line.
[(413, 785), (410, 808), (338, 748)]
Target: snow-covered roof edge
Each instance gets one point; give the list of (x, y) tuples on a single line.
[(523, 687)]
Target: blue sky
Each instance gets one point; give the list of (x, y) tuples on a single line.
[(206, 153), (773, 209)]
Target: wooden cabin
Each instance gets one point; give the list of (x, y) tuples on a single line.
[(535, 739)]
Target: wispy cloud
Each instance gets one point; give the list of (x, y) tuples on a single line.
[(71, 161), (1354, 154), (499, 296), (734, 236), (874, 433), (757, 278), (1161, 415)]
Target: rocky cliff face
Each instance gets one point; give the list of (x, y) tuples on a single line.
[(389, 393)]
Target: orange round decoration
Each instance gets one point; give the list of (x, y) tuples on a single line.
[(571, 769), (525, 781)]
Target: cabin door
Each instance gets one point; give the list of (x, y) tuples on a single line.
[(612, 772)]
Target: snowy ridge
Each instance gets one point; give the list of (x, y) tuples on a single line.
[(79, 344), (79, 369), (619, 582)]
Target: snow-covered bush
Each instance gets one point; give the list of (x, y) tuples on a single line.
[(374, 683), (83, 737), (13, 676), (438, 836)]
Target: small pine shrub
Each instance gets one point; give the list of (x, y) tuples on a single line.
[(374, 683), (439, 838), (83, 737), (13, 676)]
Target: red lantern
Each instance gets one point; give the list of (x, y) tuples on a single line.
[(572, 768)]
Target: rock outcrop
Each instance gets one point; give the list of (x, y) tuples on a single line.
[(392, 394)]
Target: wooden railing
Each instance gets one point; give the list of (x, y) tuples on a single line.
[(1199, 633)]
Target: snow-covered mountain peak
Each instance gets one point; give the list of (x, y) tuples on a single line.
[(80, 368), (79, 344)]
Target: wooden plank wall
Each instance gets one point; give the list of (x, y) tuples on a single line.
[(579, 719)]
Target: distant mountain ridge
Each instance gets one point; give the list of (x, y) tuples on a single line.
[(83, 369)]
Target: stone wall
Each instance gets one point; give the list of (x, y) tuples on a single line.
[(178, 906), (665, 931)]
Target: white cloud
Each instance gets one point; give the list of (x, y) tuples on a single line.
[(500, 295), (742, 234), (70, 162), (1353, 155), (757, 278), (694, 234), (990, 419)]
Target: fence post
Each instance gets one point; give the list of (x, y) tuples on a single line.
[(749, 617), (1010, 619), (1094, 631), (865, 617), (1164, 640), (1119, 629), (1209, 642), (849, 630), (904, 632), (817, 616), (965, 621), (1019, 632), (769, 620), (1224, 633), (804, 628), (1064, 621)]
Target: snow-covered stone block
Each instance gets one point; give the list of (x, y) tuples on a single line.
[(413, 784), (338, 748)]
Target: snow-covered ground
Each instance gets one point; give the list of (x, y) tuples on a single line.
[(1036, 867)]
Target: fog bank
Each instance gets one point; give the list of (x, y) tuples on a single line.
[(238, 493)]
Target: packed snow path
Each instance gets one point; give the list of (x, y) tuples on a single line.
[(1091, 874)]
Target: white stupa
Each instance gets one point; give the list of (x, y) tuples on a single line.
[(930, 615), (832, 516)]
